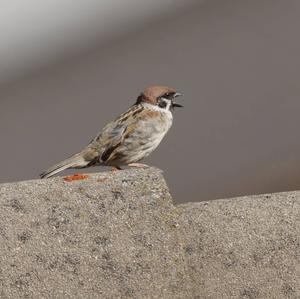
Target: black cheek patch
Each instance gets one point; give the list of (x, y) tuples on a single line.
[(162, 104)]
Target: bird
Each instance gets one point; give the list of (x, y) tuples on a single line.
[(131, 137)]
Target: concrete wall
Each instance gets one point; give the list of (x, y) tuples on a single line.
[(119, 235)]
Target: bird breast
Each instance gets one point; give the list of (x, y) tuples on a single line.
[(143, 138), (147, 135)]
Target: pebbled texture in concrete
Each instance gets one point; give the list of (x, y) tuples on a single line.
[(118, 235)]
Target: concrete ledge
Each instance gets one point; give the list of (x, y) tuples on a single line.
[(246, 247), (118, 235)]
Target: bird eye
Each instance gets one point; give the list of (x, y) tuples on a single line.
[(168, 95)]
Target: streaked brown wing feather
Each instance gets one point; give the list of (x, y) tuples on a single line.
[(128, 121)]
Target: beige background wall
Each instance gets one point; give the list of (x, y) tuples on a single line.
[(237, 62)]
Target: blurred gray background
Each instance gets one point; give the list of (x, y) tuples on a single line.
[(69, 67)]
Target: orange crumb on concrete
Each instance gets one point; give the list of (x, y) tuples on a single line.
[(76, 177)]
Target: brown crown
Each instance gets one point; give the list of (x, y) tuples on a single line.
[(152, 93)]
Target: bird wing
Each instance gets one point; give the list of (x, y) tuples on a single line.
[(114, 133), (117, 136)]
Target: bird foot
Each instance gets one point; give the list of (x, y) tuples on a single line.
[(138, 165), (115, 168)]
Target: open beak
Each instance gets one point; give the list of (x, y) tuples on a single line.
[(178, 94), (174, 104)]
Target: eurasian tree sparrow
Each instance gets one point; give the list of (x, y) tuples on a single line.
[(131, 137)]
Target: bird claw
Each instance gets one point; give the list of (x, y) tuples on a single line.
[(115, 168), (138, 165)]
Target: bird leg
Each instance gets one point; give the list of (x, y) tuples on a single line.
[(115, 168), (138, 165)]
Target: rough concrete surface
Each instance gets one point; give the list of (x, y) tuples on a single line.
[(118, 235)]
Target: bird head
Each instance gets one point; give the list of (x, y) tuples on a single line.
[(160, 96)]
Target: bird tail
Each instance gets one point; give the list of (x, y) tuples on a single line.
[(75, 161)]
